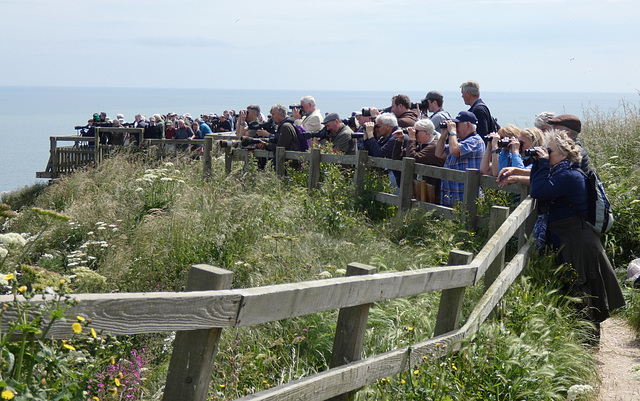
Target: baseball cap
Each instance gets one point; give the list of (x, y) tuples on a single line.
[(466, 117)]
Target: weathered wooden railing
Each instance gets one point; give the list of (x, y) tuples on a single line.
[(200, 314), (84, 151), (361, 161)]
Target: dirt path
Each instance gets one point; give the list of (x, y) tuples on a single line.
[(619, 353)]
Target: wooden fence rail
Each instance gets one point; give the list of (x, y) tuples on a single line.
[(361, 161), (200, 309)]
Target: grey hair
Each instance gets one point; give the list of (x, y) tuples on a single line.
[(472, 87), (543, 118), (424, 125), (158, 117), (387, 119), (280, 109), (564, 144), (308, 100), (474, 126)]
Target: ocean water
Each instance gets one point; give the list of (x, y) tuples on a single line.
[(29, 115)]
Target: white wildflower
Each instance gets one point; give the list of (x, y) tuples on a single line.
[(47, 256), (90, 233), (101, 228), (341, 272), (324, 274), (166, 179), (12, 239), (3, 252), (168, 164), (578, 389)]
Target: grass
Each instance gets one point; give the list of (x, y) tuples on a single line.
[(138, 224)]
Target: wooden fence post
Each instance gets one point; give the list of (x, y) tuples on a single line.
[(471, 192), (350, 329), (194, 351), (206, 160), (360, 170), (53, 157), (406, 182), (228, 159), (450, 307), (314, 169), (498, 215), (280, 160)]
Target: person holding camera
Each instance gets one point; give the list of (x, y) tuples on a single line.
[(285, 134), (307, 115), (561, 191), (462, 149), (340, 135), (401, 107), (421, 145), (432, 103)]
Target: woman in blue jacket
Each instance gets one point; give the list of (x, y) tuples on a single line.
[(560, 187)]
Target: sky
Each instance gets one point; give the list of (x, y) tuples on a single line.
[(505, 45)]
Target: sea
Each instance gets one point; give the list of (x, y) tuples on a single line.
[(30, 115)]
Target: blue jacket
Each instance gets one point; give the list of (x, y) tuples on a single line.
[(561, 189)]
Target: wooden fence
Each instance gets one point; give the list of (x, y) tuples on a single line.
[(200, 314), (361, 161)]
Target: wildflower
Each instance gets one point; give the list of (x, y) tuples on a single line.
[(402, 381), (3, 252), (9, 277), (113, 391), (93, 333), (222, 386), (95, 399), (7, 395), (410, 328), (112, 360), (116, 381), (80, 318), (77, 328), (416, 372), (68, 346), (22, 289)]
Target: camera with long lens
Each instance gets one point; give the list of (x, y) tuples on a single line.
[(322, 134), (357, 135), (244, 142), (295, 106), (256, 125)]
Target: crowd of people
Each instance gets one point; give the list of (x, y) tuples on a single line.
[(548, 158)]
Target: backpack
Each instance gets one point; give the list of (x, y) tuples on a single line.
[(600, 216), (599, 212), (303, 143)]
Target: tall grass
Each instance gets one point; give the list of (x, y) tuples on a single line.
[(138, 224)]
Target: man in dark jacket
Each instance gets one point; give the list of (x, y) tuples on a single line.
[(340, 134), (471, 95), (285, 135), (401, 108)]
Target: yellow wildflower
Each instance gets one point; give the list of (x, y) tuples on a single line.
[(402, 381), (80, 318), (8, 277), (77, 328), (410, 328), (95, 399), (68, 346), (7, 395), (116, 381), (112, 360), (93, 333), (416, 372), (114, 391), (22, 289)]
